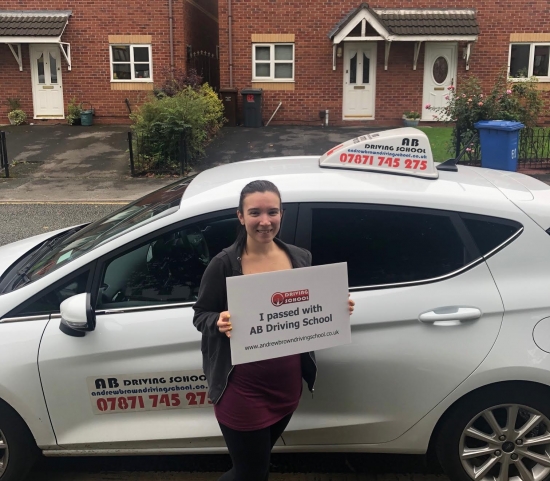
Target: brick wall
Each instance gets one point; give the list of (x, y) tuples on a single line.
[(88, 31), (318, 87)]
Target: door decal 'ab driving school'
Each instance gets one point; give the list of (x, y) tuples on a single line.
[(123, 393)]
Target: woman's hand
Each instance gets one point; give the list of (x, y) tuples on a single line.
[(351, 305), (224, 324)]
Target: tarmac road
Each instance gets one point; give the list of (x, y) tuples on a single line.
[(285, 467), (18, 221)]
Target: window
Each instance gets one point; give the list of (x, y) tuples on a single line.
[(48, 302), (273, 62), (131, 63), (528, 59), (489, 232), (383, 245), (166, 269)]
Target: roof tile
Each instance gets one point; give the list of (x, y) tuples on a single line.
[(33, 23)]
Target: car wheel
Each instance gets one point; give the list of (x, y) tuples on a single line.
[(498, 434), (18, 450)]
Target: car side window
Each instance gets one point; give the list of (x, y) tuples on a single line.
[(166, 269), (48, 302), (489, 232), (385, 246)]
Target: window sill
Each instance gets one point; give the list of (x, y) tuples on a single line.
[(268, 80), (273, 85), (543, 84), (121, 85)]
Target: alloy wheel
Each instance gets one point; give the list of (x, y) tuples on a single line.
[(4, 453), (509, 442)]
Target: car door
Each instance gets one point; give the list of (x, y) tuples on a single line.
[(136, 381), (427, 313)]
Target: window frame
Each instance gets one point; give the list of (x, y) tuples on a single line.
[(132, 63), (286, 233), (272, 62), (532, 46), (304, 234)]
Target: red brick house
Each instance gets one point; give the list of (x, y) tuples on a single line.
[(98, 52), (371, 62)]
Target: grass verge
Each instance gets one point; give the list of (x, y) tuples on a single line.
[(440, 140)]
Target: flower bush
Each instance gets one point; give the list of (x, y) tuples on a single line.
[(518, 100), (411, 115)]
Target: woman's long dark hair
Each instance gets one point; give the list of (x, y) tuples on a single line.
[(251, 188)]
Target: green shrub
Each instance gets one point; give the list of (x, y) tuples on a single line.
[(17, 117), (73, 112), (197, 112)]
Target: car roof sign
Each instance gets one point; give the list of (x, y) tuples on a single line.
[(404, 151)]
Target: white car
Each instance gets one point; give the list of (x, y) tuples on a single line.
[(449, 268)]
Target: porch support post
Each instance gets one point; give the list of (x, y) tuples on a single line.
[(466, 54), (66, 54), (17, 55), (417, 47), (388, 46)]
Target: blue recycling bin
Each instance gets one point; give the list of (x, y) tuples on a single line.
[(499, 143)]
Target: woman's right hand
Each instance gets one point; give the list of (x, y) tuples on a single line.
[(224, 324)]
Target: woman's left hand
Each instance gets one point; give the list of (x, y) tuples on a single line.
[(351, 305)]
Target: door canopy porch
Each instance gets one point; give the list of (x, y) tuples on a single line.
[(366, 24), (34, 26)]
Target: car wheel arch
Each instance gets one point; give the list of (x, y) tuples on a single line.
[(431, 454)]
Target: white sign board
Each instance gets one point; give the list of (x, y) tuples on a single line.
[(288, 312)]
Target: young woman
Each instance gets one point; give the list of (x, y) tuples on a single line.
[(253, 402)]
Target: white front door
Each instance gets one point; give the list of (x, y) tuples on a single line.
[(47, 87), (440, 61), (359, 81)]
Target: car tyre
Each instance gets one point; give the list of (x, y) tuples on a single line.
[(18, 450), (500, 433)]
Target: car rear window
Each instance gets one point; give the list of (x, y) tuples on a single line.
[(490, 233), (385, 246)]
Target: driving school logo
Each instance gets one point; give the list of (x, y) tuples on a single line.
[(280, 298)]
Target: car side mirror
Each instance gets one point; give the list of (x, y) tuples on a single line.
[(77, 315)]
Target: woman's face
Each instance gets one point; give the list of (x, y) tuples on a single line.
[(261, 216)]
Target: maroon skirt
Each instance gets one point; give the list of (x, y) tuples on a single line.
[(261, 393)]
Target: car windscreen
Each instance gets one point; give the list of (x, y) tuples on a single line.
[(158, 204)]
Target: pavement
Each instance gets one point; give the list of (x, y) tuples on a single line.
[(76, 164)]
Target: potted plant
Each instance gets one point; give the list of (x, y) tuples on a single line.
[(73, 112), (411, 118), (16, 116)]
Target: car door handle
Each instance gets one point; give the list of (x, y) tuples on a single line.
[(450, 315)]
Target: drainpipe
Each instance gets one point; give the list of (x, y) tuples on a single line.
[(229, 19), (171, 19)]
